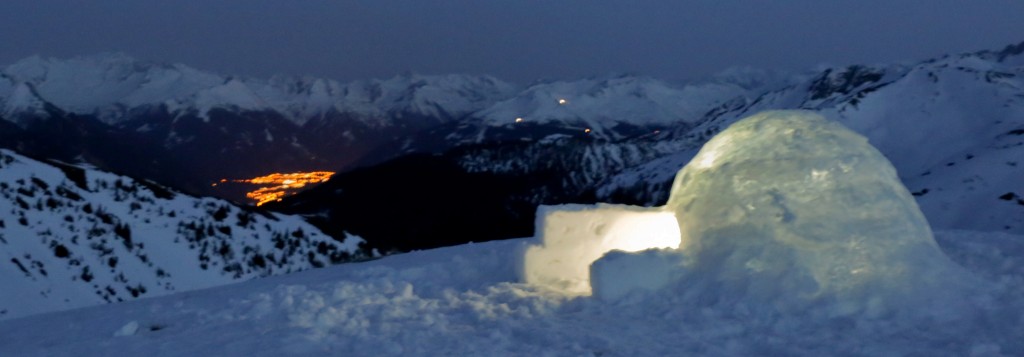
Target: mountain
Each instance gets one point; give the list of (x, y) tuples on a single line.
[(222, 126), (73, 236), (110, 85), (952, 126), (232, 127)]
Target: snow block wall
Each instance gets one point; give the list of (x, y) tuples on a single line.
[(574, 236), (783, 208)]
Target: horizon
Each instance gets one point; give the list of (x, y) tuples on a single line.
[(788, 72)]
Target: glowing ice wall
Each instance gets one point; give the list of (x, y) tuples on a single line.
[(573, 236)]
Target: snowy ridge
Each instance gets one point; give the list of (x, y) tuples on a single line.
[(110, 85), (379, 101), (20, 100), (73, 237), (599, 103)]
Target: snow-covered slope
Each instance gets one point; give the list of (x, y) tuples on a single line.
[(72, 237), (466, 300)]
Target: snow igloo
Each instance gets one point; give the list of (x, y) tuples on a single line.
[(783, 207)]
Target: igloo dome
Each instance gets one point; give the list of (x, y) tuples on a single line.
[(798, 204)]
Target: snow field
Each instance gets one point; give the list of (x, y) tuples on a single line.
[(466, 300)]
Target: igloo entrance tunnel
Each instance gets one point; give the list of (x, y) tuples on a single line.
[(781, 207)]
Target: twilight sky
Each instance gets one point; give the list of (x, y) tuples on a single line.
[(516, 40)]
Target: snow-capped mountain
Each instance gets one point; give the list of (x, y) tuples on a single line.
[(601, 103), (953, 127), (73, 236), (109, 86), (227, 126)]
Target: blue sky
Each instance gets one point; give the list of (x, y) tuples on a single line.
[(520, 40)]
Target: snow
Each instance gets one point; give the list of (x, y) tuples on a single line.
[(466, 300), (599, 103), (98, 83), (68, 243), (109, 85), (798, 240), (22, 101), (128, 329), (233, 94), (746, 286), (618, 274), (742, 286), (574, 236)]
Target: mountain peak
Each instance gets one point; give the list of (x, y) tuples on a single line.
[(22, 100)]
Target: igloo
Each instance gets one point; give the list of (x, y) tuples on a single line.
[(782, 207)]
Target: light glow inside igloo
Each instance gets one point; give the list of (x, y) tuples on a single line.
[(577, 235), (783, 207)]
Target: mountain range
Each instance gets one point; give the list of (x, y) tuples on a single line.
[(952, 126), (204, 127)]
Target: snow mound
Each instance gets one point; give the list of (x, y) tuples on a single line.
[(784, 209)]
